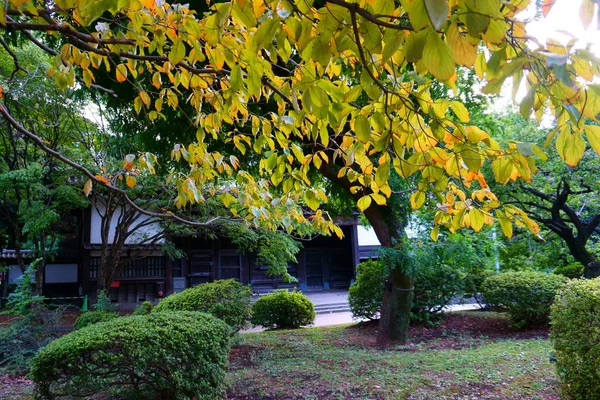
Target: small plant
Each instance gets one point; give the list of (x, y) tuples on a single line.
[(144, 308), (93, 317), (365, 294), (103, 304), (228, 300), (283, 310), (169, 355), (526, 296), (572, 271), (575, 333)]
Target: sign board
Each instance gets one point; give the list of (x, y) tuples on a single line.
[(115, 284), (179, 284)]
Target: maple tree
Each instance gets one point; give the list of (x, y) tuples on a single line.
[(348, 88)]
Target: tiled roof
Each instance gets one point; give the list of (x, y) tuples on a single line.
[(6, 253)]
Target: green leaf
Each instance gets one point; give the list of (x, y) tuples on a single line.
[(438, 12), (437, 57), (417, 199)]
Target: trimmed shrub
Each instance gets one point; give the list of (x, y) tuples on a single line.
[(435, 286), (228, 300), (573, 270), (171, 355), (93, 317), (144, 308), (283, 310), (575, 333), (526, 296), (365, 294)]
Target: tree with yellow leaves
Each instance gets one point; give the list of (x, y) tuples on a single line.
[(347, 84)]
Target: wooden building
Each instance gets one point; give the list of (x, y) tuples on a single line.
[(323, 263)]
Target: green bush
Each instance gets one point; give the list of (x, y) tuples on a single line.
[(93, 317), (473, 284), (435, 286), (170, 355), (527, 296), (575, 333), (364, 296), (144, 308), (283, 310), (228, 300), (573, 270)]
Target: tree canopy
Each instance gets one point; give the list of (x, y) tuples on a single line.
[(349, 90)]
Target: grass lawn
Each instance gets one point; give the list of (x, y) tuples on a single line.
[(470, 356)]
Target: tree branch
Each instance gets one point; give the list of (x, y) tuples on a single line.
[(40, 143)]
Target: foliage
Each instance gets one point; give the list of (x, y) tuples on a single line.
[(436, 285), (273, 249), (526, 296), (227, 299), (575, 333), (144, 308), (103, 303), (93, 317), (23, 336), (22, 299), (365, 294), (283, 310), (573, 270), (281, 53), (169, 355)]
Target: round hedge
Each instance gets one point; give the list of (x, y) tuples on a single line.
[(93, 317), (575, 333), (573, 270), (283, 310), (526, 296), (177, 355), (365, 294), (227, 299)]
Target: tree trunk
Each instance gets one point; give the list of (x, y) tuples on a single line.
[(394, 315), (395, 308), (578, 250)]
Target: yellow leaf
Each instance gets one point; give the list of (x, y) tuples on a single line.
[(362, 128), (438, 12), (592, 132), (570, 147), (382, 174), (130, 181), (177, 52), (145, 98), (547, 6), (505, 224), (586, 12), (463, 52), (437, 57), (460, 110), (417, 199), (364, 203), (379, 199), (87, 188), (121, 73), (434, 233)]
